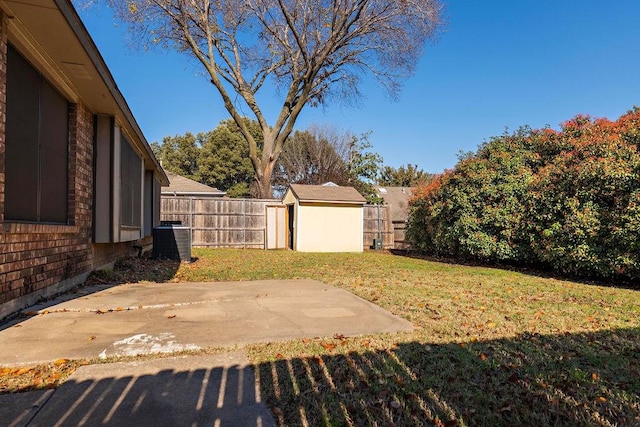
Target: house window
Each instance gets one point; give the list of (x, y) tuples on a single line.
[(130, 185), (37, 141)]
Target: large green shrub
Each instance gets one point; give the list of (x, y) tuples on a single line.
[(568, 200)]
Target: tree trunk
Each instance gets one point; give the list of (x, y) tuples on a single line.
[(263, 188)]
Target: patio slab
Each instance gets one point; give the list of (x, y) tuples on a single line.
[(131, 319)]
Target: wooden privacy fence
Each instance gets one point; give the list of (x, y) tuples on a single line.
[(378, 225), (242, 223), (217, 222)]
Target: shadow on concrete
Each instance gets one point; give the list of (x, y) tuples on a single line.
[(220, 396), (567, 379), (575, 379), (126, 270)]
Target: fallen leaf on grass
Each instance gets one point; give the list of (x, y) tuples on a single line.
[(21, 371), (279, 356), (505, 408), (60, 362), (594, 376), (339, 337), (328, 346), (601, 399), (306, 340), (484, 356)]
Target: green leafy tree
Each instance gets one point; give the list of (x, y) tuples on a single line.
[(217, 158), (313, 52), (179, 154), (224, 162), (404, 176), (363, 167)]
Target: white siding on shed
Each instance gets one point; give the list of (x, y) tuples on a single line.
[(332, 225), (329, 228)]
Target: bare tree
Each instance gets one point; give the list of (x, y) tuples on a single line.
[(312, 50), (317, 155)]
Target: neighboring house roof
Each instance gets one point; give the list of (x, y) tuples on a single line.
[(181, 186), (50, 33), (398, 199), (319, 193)]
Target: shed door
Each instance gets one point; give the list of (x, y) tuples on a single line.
[(276, 227)]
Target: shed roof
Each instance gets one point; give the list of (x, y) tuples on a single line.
[(180, 185), (319, 193), (398, 199)]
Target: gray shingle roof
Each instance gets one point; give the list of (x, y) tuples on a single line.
[(319, 193), (398, 199), (179, 185)]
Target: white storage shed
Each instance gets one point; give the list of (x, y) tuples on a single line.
[(324, 218)]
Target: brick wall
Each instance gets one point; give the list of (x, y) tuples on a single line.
[(41, 260), (34, 257)]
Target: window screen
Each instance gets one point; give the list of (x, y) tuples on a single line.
[(130, 185), (36, 152)]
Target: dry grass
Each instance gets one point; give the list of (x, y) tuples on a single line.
[(491, 347)]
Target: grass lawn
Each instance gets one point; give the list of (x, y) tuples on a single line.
[(491, 347)]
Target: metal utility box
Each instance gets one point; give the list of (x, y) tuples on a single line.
[(172, 242), (377, 244)]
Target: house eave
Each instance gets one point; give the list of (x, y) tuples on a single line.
[(79, 29), (51, 35)]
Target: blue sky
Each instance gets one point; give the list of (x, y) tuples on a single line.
[(498, 64)]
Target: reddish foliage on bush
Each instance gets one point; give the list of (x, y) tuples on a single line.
[(567, 199)]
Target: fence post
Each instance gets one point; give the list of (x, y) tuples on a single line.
[(244, 223), (378, 220), (191, 218)]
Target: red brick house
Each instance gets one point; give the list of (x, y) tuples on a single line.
[(79, 184)]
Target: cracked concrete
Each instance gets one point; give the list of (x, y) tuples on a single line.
[(132, 319), (145, 318)]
